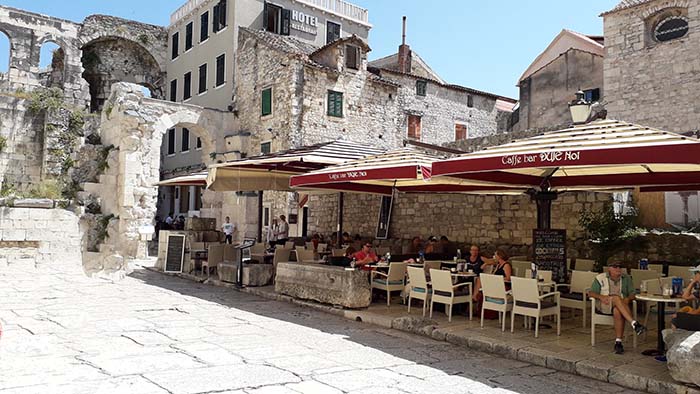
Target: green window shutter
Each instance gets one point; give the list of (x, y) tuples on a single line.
[(335, 104), (267, 101)]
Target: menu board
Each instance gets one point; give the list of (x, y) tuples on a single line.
[(175, 253), (549, 249)]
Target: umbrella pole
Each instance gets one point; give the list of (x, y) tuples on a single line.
[(341, 200), (544, 199), (260, 215)]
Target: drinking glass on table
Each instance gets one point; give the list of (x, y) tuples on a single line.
[(643, 287)]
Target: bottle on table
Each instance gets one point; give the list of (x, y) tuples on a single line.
[(533, 270), (459, 254), (353, 263)]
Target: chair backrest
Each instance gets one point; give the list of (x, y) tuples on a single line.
[(582, 280), (231, 253), (338, 252), (493, 286), (545, 274), (654, 285), (657, 267), (519, 266), (431, 265), (397, 271), (309, 245), (584, 264), (305, 255), (281, 255), (525, 289), (639, 275), (416, 277), (680, 272), (215, 254), (289, 245), (489, 269), (196, 245), (257, 248), (322, 247), (381, 250), (441, 280)]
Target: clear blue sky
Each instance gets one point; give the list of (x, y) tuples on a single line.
[(484, 45)]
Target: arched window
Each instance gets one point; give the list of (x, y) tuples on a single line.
[(671, 28), (5, 53), (50, 53)]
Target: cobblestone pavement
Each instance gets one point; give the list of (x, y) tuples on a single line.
[(151, 333)]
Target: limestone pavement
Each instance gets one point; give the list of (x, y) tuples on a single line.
[(151, 333)]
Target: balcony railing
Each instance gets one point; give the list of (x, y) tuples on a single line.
[(184, 10)]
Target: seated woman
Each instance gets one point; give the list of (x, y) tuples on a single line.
[(502, 267), (688, 317)]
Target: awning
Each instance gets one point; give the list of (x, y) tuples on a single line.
[(195, 179), (604, 154), (405, 170), (272, 171)]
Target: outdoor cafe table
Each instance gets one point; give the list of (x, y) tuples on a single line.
[(661, 302)]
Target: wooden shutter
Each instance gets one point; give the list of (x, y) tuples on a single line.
[(266, 102), (202, 78), (460, 132), (175, 45), (414, 127), (286, 17), (204, 26), (222, 13), (351, 57), (216, 19)]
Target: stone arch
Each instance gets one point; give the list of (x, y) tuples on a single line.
[(52, 63), (5, 53)]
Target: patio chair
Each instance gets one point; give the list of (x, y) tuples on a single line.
[(545, 274), (281, 255), (431, 265), (338, 252), (305, 255), (657, 267), (444, 292), (394, 280), (577, 297), (496, 298), (680, 272), (215, 255), (519, 266), (257, 248), (600, 319), (289, 245), (231, 254), (654, 286), (641, 275), (419, 287), (585, 265), (529, 303)]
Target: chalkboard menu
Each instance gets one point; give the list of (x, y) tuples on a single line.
[(384, 217), (175, 253), (549, 247)]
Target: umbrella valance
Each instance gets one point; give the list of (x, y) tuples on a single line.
[(195, 179), (272, 171), (600, 154)]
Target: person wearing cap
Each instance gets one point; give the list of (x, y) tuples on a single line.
[(613, 291), (688, 317)]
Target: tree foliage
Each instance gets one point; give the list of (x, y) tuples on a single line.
[(607, 231)]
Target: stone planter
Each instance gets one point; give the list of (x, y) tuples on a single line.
[(253, 274), (322, 283)]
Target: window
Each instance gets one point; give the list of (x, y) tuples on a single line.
[(335, 104), (470, 101), (174, 45), (671, 28), (202, 79), (265, 147), (187, 86), (332, 32), (266, 102), (460, 131), (220, 69), (198, 145), (414, 127), (171, 141), (219, 21), (266, 216), (352, 57), (421, 87), (276, 19), (173, 90), (591, 95), (185, 140), (204, 26), (188, 36)]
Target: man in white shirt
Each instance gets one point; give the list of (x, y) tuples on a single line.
[(283, 231), (228, 228), (169, 221)]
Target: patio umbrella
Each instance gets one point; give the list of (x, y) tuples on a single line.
[(272, 171), (601, 155), (194, 179)]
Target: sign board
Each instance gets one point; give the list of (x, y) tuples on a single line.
[(175, 253), (549, 249), (384, 217)]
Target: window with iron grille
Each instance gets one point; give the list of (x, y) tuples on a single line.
[(335, 104), (421, 87), (414, 127), (671, 28)]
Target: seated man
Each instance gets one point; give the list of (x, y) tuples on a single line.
[(688, 317), (614, 292), (365, 256)]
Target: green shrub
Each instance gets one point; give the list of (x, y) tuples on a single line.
[(48, 188), (607, 231), (45, 99), (3, 143)]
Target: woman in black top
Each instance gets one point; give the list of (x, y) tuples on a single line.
[(502, 267)]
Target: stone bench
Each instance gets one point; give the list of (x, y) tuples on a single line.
[(253, 274), (323, 283)]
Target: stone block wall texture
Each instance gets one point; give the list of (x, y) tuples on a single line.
[(42, 237), (652, 83)]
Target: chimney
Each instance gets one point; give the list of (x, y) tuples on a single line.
[(404, 52)]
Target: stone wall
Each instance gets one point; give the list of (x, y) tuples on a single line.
[(23, 132), (647, 82), (44, 238)]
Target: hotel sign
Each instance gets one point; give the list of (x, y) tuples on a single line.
[(304, 22)]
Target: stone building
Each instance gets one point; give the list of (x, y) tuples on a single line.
[(571, 62)]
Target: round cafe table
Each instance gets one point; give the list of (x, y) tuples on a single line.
[(661, 302)]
